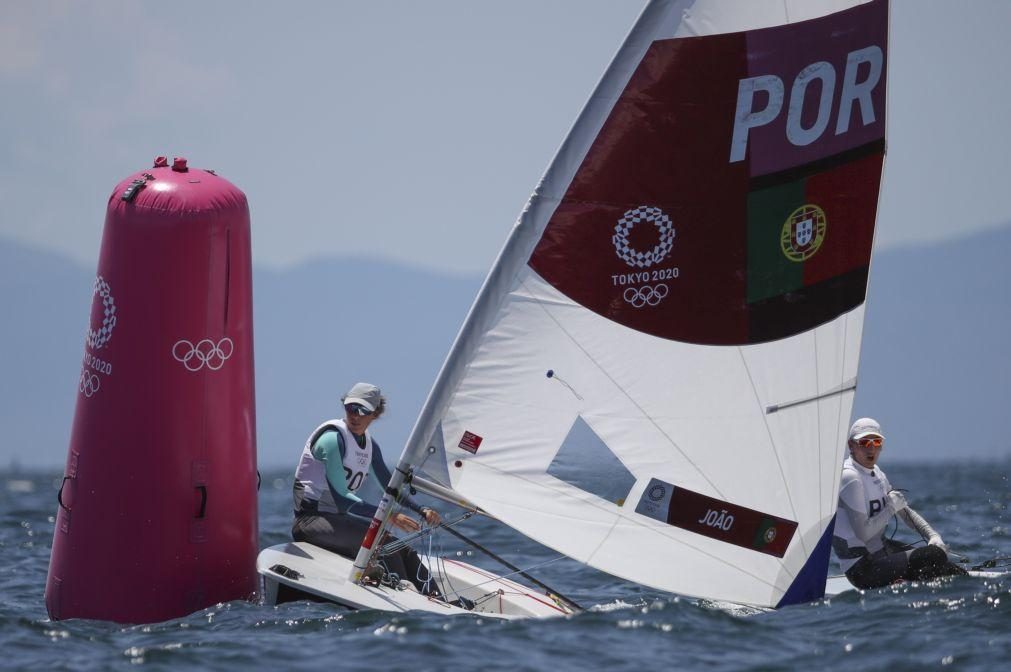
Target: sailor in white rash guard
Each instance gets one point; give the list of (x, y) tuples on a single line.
[(867, 504)]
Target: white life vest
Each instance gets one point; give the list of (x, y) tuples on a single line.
[(310, 475), (862, 490)]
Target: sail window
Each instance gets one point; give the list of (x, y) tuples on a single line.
[(586, 462)]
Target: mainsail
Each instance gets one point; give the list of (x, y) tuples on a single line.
[(657, 374)]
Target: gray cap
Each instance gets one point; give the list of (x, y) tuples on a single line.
[(365, 394), (865, 427)]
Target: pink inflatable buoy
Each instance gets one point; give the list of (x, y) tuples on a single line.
[(157, 513)]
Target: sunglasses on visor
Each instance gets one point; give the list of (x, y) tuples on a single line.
[(356, 409)]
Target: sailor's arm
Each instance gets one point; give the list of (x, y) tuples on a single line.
[(916, 522)]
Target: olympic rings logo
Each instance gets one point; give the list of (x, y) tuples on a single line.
[(96, 339), (646, 295), (624, 227), (204, 353), (89, 383)]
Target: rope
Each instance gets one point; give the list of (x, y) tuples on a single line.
[(551, 592), (521, 573), (398, 544)]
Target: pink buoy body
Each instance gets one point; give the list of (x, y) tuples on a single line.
[(157, 513)]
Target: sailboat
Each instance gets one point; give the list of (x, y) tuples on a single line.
[(656, 377)]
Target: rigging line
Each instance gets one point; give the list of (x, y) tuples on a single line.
[(653, 527), (437, 564), (437, 569), (398, 544), (417, 572), (772, 443), (448, 581), (646, 415), (520, 572), (432, 562), (516, 570), (551, 374)]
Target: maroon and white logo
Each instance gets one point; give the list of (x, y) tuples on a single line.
[(96, 338), (645, 295), (195, 356), (648, 215), (89, 384), (103, 321), (470, 442)]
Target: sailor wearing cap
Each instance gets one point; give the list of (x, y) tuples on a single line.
[(336, 460), (867, 504)]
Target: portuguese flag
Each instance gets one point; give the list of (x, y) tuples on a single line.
[(767, 533), (809, 245)]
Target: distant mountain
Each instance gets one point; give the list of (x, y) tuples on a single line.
[(45, 301), (934, 369), (318, 329), (326, 325)]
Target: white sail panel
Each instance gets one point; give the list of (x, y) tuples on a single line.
[(688, 281), (670, 411)]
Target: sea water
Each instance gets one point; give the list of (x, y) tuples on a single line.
[(954, 624)]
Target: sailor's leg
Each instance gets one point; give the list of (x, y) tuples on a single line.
[(930, 562), (339, 533), (880, 569)]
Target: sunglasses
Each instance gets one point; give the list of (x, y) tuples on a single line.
[(875, 442), (356, 409)]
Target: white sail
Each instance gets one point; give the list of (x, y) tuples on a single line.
[(656, 377)]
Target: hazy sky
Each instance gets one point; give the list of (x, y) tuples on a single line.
[(414, 131)]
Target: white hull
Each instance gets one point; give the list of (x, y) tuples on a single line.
[(839, 584), (302, 571)]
